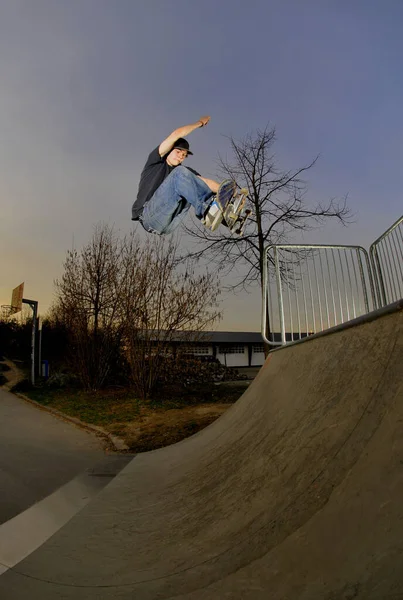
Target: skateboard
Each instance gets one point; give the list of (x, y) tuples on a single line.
[(229, 208)]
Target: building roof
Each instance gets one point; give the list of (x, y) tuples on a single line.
[(235, 337), (220, 337)]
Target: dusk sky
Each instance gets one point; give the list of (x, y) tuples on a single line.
[(90, 87)]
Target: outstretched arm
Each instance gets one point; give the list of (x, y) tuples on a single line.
[(167, 145)]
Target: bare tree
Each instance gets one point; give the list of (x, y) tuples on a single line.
[(87, 301), (279, 205), (119, 297), (161, 300)]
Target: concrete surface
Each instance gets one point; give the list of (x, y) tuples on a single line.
[(38, 454), (23, 534), (296, 492)]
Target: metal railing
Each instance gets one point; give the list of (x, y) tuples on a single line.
[(309, 288), (387, 262)]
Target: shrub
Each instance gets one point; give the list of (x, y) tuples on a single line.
[(189, 369), (62, 380), (22, 386)]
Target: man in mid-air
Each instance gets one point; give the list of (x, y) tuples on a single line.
[(167, 189)]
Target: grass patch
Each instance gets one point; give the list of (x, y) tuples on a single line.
[(179, 396), (106, 407), (173, 414), (97, 408)]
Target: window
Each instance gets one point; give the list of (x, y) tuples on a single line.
[(231, 349), (258, 348), (200, 350)]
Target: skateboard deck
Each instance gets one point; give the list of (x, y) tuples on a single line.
[(229, 208)]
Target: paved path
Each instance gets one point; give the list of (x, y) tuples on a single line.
[(295, 493), (38, 454)]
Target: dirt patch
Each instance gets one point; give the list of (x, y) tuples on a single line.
[(156, 428)]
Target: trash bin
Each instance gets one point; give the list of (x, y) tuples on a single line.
[(45, 369)]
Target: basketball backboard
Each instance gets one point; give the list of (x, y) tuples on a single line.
[(16, 298)]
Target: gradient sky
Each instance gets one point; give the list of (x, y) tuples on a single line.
[(89, 87)]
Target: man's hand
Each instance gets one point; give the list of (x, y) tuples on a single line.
[(204, 120)]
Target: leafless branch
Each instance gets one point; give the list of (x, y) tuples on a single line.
[(279, 203)]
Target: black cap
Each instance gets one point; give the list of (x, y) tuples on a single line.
[(182, 144)]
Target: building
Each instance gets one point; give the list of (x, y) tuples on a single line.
[(231, 348)]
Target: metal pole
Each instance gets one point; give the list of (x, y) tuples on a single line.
[(34, 305), (280, 296), (39, 346), (34, 308)]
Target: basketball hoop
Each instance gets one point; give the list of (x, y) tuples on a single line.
[(16, 298)]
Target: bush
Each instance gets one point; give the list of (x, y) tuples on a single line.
[(204, 358), (15, 339), (22, 386), (62, 380), (187, 370)]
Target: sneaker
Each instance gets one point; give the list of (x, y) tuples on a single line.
[(212, 213), (213, 208)]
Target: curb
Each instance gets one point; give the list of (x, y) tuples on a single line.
[(117, 443)]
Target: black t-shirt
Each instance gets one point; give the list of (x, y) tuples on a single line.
[(155, 171)]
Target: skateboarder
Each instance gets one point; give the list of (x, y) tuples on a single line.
[(167, 189)]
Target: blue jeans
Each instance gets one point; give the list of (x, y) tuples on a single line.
[(170, 203)]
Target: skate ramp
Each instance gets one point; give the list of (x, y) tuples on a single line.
[(295, 493)]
